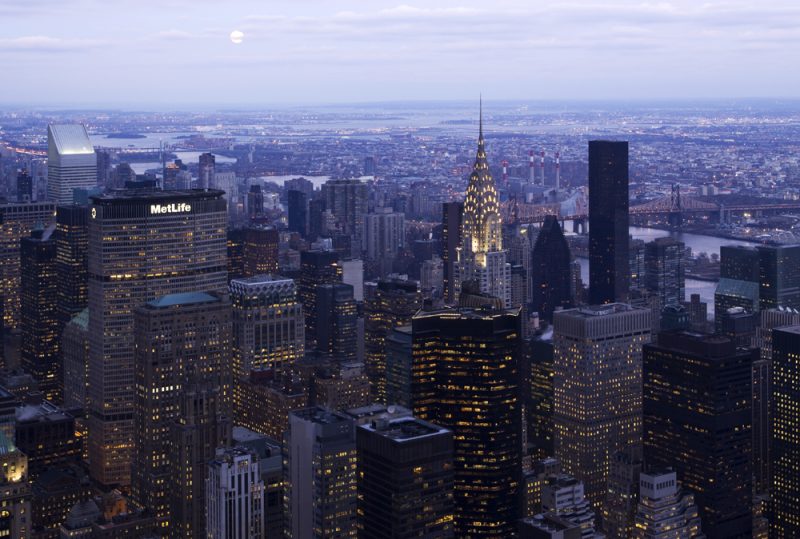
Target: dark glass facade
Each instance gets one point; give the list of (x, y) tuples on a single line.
[(451, 240), (40, 344), (698, 420), (297, 210), (609, 272), (405, 480), (466, 378), (785, 492), (550, 270)]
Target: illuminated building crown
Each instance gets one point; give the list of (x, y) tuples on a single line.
[(482, 224)]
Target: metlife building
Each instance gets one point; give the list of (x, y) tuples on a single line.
[(143, 244)]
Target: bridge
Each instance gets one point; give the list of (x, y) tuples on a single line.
[(673, 210)]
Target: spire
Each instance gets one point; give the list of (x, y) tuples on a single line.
[(480, 117)]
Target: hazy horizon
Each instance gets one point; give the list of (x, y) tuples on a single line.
[(180, 53)]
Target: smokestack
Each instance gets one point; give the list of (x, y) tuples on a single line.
[(558, 170), (541, 165), (531, 169)]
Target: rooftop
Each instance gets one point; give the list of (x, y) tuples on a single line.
[(148, 194), (185, 298), (403, 429), (70, 139)]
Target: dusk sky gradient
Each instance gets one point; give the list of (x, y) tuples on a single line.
[(139, 53)]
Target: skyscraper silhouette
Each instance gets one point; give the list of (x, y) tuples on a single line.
[(608, 222)]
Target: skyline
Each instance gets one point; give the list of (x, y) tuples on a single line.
[(356, 52)]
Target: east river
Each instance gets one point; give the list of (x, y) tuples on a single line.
[(697, 242)]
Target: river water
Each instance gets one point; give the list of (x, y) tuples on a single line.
[(697, 242)]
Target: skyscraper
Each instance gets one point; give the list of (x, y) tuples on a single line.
[(347, 201), (384, 236), (452, 213), (388, 303), (597, 382), (268, 329), (71, 162), (298, 211), (481, 256), (785, 493), (39, 319), (336, 319), (664, 272), (72, 251), (24, 186), (16, 222), (697, 421), (609, 272), (405, 480), (206, 169), (235, 496), (181, 405), (316, 268), (779, 272), (142, 245), (320, 475), (550, 270), (466, 378), (260, 252)]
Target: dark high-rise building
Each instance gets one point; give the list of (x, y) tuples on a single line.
[(609, 271), (466, 378), (347, 201), (255, 202), (664, 271), (316, 226), (399, 359), (405, 480), (388, 303), (550, 270), (335, 323), (316, 268), (260, 251), (451, 241), (758, 278), (182, 411), (235, 251), (320, 474), (72, 264), (779, 272), (697, 421), (540, 399), (24, 186), (16, 222), (785, 447), (103, 167), (206, 169), (142, 245), (39, 320), (298, 211)]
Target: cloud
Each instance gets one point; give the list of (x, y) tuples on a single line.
[(47, 44)]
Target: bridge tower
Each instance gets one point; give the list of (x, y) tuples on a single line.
[(675, 215)]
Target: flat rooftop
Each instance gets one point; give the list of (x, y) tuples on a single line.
[(403, 429)]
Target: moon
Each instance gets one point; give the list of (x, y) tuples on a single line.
[(237, 36)]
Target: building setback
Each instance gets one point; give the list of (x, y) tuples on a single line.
[(143, 244)]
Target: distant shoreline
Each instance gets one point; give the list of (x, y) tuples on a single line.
[(126, 135)]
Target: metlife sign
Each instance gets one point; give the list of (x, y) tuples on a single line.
[(158, 209)]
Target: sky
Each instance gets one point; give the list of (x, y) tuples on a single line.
[(140, 53)]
